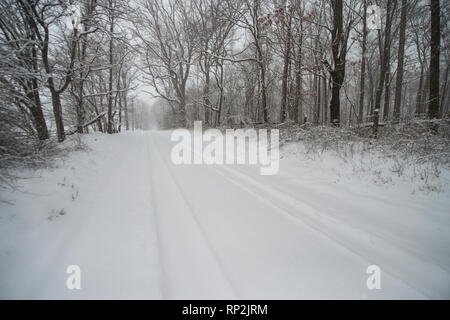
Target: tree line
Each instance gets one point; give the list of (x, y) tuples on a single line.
[(65, 66), (219, 61), (266, 61)]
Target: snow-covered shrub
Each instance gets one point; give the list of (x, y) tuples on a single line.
[(19, 151), (418, 151)]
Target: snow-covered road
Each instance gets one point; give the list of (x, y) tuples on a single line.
[(139, 226)]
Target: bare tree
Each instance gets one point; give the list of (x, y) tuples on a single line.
[(339, 40), (284, 14), (362, 82), (384, 56), (252, 20), (83, 64), (41, 15), (169, 39), (400, 63), (433, 104), (19, 65)]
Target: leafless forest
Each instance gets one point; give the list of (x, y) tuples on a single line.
[(224, 62)]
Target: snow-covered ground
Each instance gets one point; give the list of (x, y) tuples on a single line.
[(139, 226)]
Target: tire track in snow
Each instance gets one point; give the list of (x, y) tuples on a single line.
[(386, 236), (64, 238), (338, 232), (73, 233), (334, 230), (192, 214), (164, 281)]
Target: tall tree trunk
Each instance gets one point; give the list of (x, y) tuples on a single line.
[(206, 101), (90, 7), (444, 106), (287, 52), (339, 49), (419, 99), (38, 115), (290, 93), (119, 98), (371, 87), (387, 92), (433, 104), (362, 84), (260, 57), (57, 113), (36, 109), (384, 53), (425, 91), (325, 99), (319, 86), (264, 93), (400, 63), (335, 104), (125, 110), (298, 81), (220, 85), (109, 128), (182, 112)]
